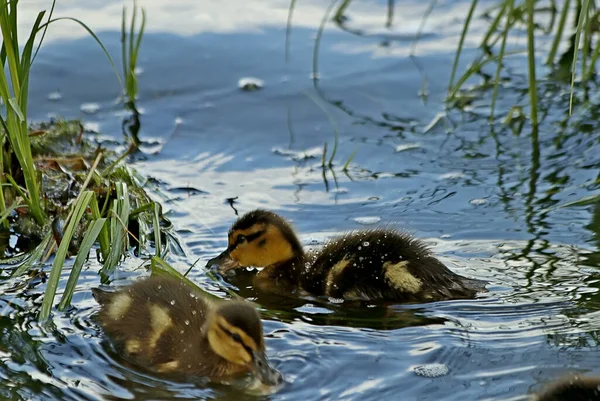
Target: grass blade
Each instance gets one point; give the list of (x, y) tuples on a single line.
[(461, 43), (288, 29), (559, 32), (161, 268), (318, 39), (33, 256), (86, 245), (531, 62), (157, 239), (509, 5), (582, 16), (59, 259), (118, 230), (93, 35)]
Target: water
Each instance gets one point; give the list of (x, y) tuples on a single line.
[(487, 205)]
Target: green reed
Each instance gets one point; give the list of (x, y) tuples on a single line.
[(14, 87), (506, 17), (104, 225), (131, 41)]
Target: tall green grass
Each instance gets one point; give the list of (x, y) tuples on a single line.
[(131, 41), (105, 224), (14, 90), (512, 15), (508, 18)]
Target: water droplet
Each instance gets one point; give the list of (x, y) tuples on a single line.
[(181, 332), (193, 312), (173, 302), (159, 287), (187, 322), (359, 248)]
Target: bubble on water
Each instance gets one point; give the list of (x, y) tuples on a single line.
[(90, 108), (367, 220), (54, 96), (454, 175), (187, 322), (359, 248), (432, 370), (366, 243), (181, 332), (193, 312), (159, 286), (173, 302), (478, 201)]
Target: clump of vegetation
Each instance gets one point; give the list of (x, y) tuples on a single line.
[(60, 192)]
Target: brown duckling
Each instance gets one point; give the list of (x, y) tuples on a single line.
[(165, 326), (572, 388), (381, 264)]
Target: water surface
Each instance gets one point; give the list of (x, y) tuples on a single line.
[(485, 199)]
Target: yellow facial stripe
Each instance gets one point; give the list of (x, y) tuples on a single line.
[(400, 278), (246, 339), (118, 306), (226, 347), (160, 321), (268, 249)]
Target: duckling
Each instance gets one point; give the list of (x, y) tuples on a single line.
[(165, 326), (573, 388), (378, 264)]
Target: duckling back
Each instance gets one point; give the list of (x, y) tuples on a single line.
[(383, 264), (158, 323)]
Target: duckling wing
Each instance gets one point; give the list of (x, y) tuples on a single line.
[(382, 264)]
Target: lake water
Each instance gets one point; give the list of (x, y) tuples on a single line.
[(486, 200)]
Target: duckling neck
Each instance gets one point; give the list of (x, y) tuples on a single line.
[(287, 273)]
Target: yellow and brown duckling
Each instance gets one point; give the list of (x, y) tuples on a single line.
[(165, 326), (379, 264), (572, 388)]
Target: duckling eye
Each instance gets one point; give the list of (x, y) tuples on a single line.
[(241, 239), (236, 337)]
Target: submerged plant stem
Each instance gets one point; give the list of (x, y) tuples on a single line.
[(531, 62)]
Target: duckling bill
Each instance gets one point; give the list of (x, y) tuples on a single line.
[(165, 326), (378, 264)]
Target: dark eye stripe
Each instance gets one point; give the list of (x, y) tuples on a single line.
[(254, 236), (236, 337), (249, 238)]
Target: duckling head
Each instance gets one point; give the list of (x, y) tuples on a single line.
[(259, 239), (235, 334)]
